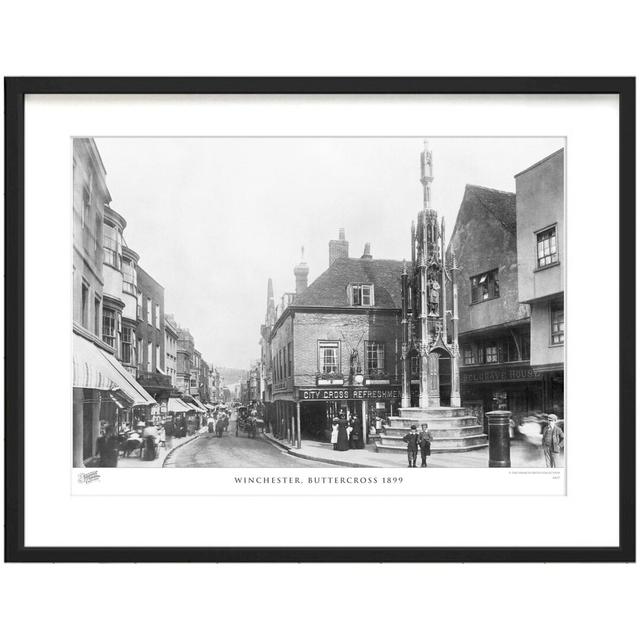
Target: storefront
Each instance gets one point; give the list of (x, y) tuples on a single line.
[(319, 405), (104, 395), (519, 388)]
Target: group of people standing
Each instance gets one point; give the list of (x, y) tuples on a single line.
[(346, 434), (421, 440)]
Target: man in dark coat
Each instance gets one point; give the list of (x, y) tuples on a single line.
[(412, 445), (343, 437), (107, 447), (424, 441)]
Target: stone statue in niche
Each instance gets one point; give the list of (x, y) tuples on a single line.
[(434, 298)]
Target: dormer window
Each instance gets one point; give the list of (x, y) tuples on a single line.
[(362, 295)]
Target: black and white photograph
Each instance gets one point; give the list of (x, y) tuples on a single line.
[(318, 302)]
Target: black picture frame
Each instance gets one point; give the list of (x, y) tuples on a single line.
[(15, 91)]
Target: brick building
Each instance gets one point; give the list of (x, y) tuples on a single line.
[(334, 344)]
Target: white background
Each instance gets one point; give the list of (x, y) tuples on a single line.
[(335, 39)]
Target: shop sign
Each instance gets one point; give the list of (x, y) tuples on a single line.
[(321, 395), (499, 374)]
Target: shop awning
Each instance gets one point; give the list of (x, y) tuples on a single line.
[(193, 404), (94, 368), (199, 404), (175, 405), (209, 406)]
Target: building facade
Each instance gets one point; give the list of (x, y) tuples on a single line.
[(495, 369), (507, 249), (185, 349), (540, 205), (171, 349), (150, 335), (334, 345), (104, 392)]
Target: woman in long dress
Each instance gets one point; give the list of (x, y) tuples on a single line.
[(343, 437), (334, 433)]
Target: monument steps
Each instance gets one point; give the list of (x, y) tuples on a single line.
[(448, 431), (452, 429), (435, 448)]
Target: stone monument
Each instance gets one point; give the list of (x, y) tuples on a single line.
[(426, 320)]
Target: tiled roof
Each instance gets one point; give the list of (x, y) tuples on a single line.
[(499, 204), (330, 288)]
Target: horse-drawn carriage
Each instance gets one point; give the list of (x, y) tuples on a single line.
[(247, 421)]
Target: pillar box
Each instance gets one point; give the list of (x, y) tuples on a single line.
[(499, 444)]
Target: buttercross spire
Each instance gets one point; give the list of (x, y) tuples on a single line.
[(426, 174)]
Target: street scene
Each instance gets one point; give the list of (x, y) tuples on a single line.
[(223, 320)]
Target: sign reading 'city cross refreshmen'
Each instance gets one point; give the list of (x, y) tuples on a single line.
[(349, 394)]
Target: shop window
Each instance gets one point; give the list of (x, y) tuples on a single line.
[(547, 247), (362, 295), (485, 286), (328, 356), (127, 345), (109, 327), (557, 323), (374, 352)]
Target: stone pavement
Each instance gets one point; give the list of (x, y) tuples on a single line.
[(526, 452)]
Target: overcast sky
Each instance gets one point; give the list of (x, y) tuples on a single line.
[(214, 218)]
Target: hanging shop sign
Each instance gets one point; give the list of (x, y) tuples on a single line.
[(349, 393)]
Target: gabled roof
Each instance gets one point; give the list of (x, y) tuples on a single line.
[(330, 288), (500, 205)]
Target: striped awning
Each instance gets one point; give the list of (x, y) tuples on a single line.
[(193, 403), (175, 405), (94, 368)]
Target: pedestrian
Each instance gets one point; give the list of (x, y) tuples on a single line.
[(343, 439), (210, 424), (107, 448), (350, 433), (150, 438), (412, 445), (334, 433), (424, 441), (220, 426), (356, 435), (162, 436), (552, 440)]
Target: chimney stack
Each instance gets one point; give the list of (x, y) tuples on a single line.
[(367, 252), (301, 272), (338, 248)]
